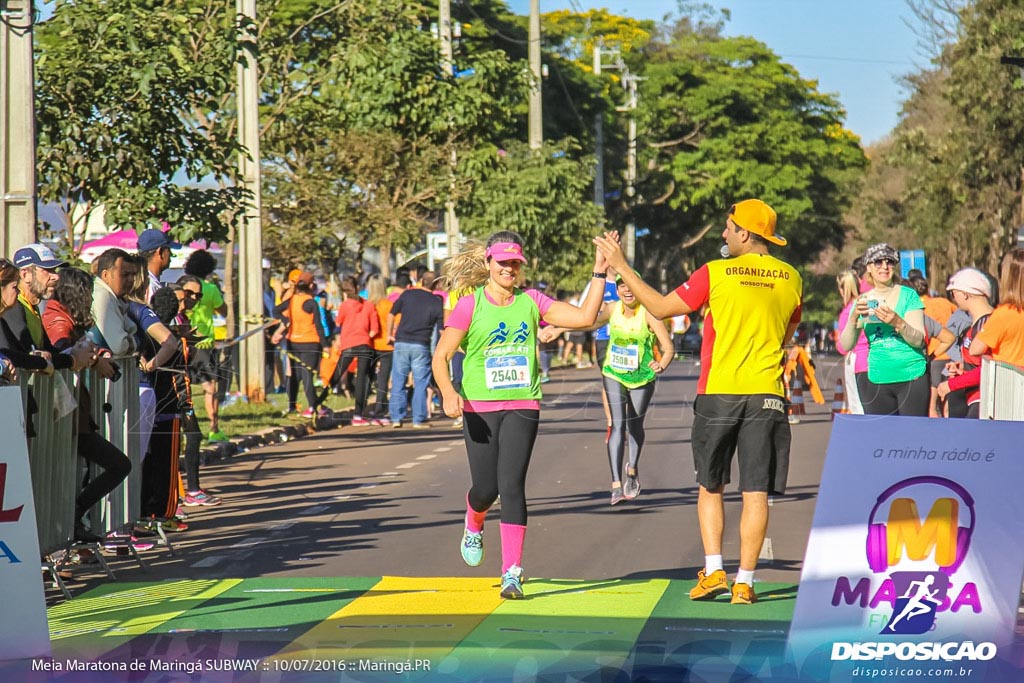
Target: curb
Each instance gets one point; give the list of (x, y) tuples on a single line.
[(270, 436)]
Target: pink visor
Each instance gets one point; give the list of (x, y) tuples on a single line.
[(506, 251)]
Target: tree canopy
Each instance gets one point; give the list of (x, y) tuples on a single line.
[(365, 137)]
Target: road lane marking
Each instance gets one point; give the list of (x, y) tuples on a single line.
[(767, 553), (442, 449), (408, 465), (428, 456)]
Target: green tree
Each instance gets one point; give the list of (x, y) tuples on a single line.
[(374, 138), (130, 113), (950, 179), (542, 195), (726, 119)]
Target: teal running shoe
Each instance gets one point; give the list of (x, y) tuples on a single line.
[(512, 583), (472, 548)]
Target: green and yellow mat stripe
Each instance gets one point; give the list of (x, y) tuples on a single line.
[(455, 627)]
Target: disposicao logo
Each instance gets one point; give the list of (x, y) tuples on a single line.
[(915, 597)]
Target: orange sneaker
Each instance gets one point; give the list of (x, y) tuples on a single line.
[(709, 587), (742, 594)]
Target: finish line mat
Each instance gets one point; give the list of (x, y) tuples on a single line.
[(396, 628)]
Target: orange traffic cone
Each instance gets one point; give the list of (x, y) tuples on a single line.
[(796, 399), (838, 400)]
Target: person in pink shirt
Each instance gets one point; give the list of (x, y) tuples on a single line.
[(857, 357), (500, 395)]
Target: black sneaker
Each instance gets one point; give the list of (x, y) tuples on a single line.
[(84, 535)]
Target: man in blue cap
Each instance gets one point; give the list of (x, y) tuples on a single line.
[(155, 247)]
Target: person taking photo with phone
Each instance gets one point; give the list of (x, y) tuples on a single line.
[(891, 316)]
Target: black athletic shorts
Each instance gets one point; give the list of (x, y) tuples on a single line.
[(602, 350), (203, 366), (754, 426), (579, 337)]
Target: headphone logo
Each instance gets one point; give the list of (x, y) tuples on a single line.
[(918, 594)]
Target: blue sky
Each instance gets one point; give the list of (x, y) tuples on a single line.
[(855, 49)]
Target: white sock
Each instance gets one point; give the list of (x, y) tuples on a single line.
[(745, 576), (712, 563)]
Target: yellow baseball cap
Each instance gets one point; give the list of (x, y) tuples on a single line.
[(755, 216)]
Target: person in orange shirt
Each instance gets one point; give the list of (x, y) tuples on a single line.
[(305, 337), (1003, 336)]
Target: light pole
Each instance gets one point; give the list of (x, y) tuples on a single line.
[(17, 127), (451, 220), (250, 230), (536, 119)]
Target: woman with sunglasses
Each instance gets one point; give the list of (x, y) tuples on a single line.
[(892, 318)]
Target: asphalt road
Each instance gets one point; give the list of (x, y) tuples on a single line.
[(372, 501)]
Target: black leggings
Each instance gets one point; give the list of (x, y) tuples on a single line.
[(159, 491), (363, 355), (193, 443), (628, 408), (96, 450), (499, 446), (899, 398), (383, 378), (304, 359)]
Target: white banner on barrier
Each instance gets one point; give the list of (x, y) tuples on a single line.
[(23, 629), (914, 560)]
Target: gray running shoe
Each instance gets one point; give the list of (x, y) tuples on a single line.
[(617, 496), (631, 487)]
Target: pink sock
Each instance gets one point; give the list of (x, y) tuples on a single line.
[(512, 537), (474, 519)]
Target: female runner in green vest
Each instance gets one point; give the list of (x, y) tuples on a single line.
[(496, 325), (629, 373)]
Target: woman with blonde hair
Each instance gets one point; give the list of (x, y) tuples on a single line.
[(377, 295), (499, 400), (856, 359)]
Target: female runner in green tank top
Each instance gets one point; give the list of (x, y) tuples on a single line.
[(629, 370), (499, 400)]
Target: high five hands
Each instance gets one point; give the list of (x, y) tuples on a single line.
[(610, 251)]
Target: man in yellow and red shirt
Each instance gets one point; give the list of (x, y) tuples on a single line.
[(753, 307)]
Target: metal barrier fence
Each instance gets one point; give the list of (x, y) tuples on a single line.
[(57, 472), (1002, 391), (115, 407), (52, 455)]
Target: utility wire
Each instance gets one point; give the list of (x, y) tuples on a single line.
[(469, 6)]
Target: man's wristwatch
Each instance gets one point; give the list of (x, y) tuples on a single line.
[(603, 276)]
